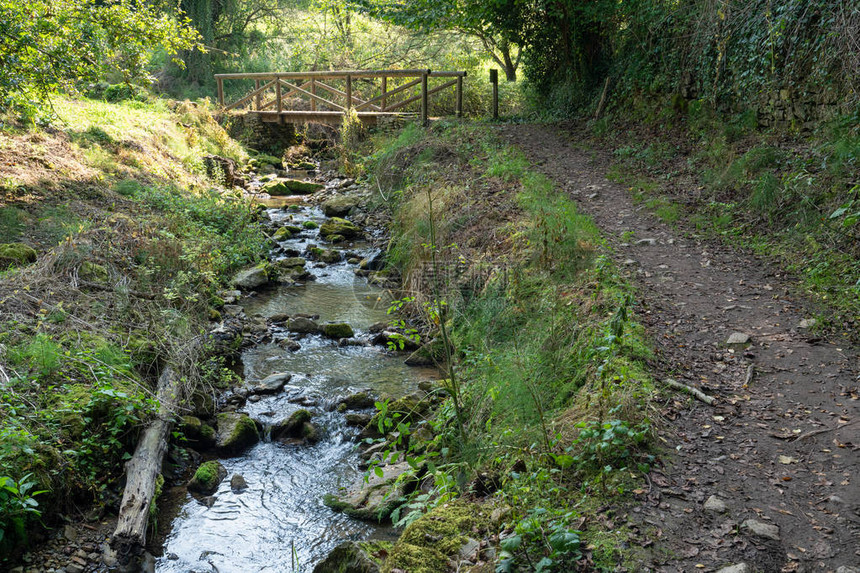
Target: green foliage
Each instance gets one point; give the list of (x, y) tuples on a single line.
[(17, 506), (217, 235), (543, 541), (52, 45)]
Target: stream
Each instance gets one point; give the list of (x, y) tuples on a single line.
[(279, 522)]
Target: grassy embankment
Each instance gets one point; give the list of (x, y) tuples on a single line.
[(789, 196), (549, 411), (131, 246)]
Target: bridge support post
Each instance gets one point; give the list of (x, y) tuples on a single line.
[(384, 91), (314, 92), (424, 119), (257, 98), (280, 100), (221, 91), (348, 92)]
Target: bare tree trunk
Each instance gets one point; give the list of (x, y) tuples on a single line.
[(510, 66), (142, 469)]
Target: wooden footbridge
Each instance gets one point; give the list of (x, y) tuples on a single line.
[(297, 97)]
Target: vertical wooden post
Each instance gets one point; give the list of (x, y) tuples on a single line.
[(348, 92), (313, 91), (257, 98), (460, 96), (494, 79), (221, 91), (278, 97), (384, 91), (424, 119)]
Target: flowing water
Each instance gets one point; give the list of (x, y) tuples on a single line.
[(279, 524)]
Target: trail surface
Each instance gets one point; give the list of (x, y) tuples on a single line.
[(779, 450)]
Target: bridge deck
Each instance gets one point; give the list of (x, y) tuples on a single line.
[(327, 117)]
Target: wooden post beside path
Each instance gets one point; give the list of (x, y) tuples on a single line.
[(494, 79)]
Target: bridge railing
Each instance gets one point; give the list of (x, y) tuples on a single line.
[(328, 95)]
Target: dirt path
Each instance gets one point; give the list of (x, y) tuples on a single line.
[(781, 449)]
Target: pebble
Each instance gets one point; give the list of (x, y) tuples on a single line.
[(739, 568), (762, 529), (715, 505), (848, 569), (738, 338), (646, 242), (807, 323)]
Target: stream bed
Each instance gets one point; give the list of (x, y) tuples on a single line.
[(279, 523)]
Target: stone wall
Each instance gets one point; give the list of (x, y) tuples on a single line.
[(252, 132)]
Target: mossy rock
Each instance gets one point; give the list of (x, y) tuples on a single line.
[(337, 330), (310, 225), (348, 557), (412, 408), (292, 427), (330, 256), (236, 432), (281, 187), (342, 227), (196, 431), (430, 354), (294, 229), (282, 234), (429, 543), (358, 401), (252, 278), (93, 272), (17, 254), (334, 239), (207, 478), (376, 498), (214, 315), (339, 206), (263, 159)]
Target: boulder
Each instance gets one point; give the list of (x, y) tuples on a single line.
[(429, 354), (17, 254), (207, 478), (330, 256), (271, 384), (394, 340), (339, 206), (251, 278), (282, 234), (337, 330), (280, 187), (195, 431), (221, 169), (375, 262), (443, 539), (302, 325), (298, 426), (236, 431), (238, 483), (358, 401), (348, 557), (342, 227), (376, 498)]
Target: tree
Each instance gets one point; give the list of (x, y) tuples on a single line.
[(51, 45), (490, 22)]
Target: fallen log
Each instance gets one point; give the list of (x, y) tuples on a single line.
[(129, 538)]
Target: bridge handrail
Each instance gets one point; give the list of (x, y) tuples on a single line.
[(277, 80)]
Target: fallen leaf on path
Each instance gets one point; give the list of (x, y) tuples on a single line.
[(787, 460)]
